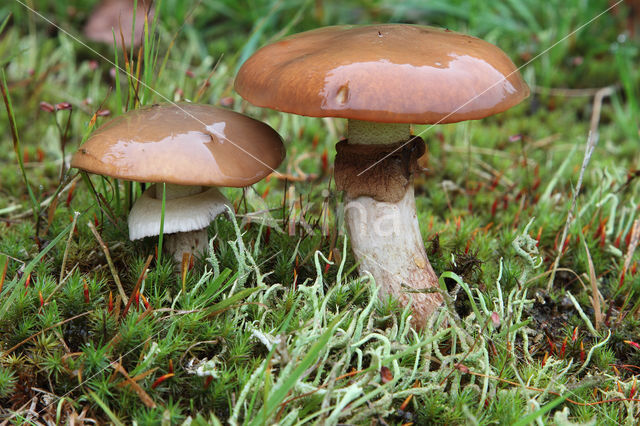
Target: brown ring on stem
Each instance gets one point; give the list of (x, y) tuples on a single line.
[(388, 179)]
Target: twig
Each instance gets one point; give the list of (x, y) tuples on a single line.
[(105, 249), (548, 140), (144, 397), (292, 178), (592, 141), (633, 244), (138, 377), (485, 151), (570, 93), (18, 412), (9, 209), (544, 274), (48, 200)]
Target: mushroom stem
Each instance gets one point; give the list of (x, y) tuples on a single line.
[(370, 133), (384, 233), (192, 242), (177, 243), (386, 241)]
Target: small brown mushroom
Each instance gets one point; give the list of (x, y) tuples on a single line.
[(192, 149), (110, 16), (382, 78)]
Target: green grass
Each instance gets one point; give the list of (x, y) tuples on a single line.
[(276, 325)]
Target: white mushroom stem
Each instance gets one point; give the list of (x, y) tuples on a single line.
[(385, 236), (192, 242), (187, 214), (178, 243)]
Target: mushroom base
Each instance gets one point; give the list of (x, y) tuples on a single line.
[(192, 242), (386, 241)]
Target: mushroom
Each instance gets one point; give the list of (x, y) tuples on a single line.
[(382, 78), (113, 15), (192, 149)]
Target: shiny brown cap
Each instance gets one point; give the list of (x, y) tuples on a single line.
[(184, 144), (393, 73)]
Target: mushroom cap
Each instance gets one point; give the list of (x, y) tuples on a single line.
[(184, 144), (181, 214), (393, 73), (112, 15)]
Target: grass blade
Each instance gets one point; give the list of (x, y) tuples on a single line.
[(4, 23), (16, 144), (105, 408), (161, 236), (117, 70), (526, 420), (281, 392), (228, 302), (4, 263)]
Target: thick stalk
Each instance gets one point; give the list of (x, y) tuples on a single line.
[(385, 234), (192, 242), (386, 241)]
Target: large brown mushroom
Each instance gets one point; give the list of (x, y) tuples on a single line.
[(382, 78), (192, 149)]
